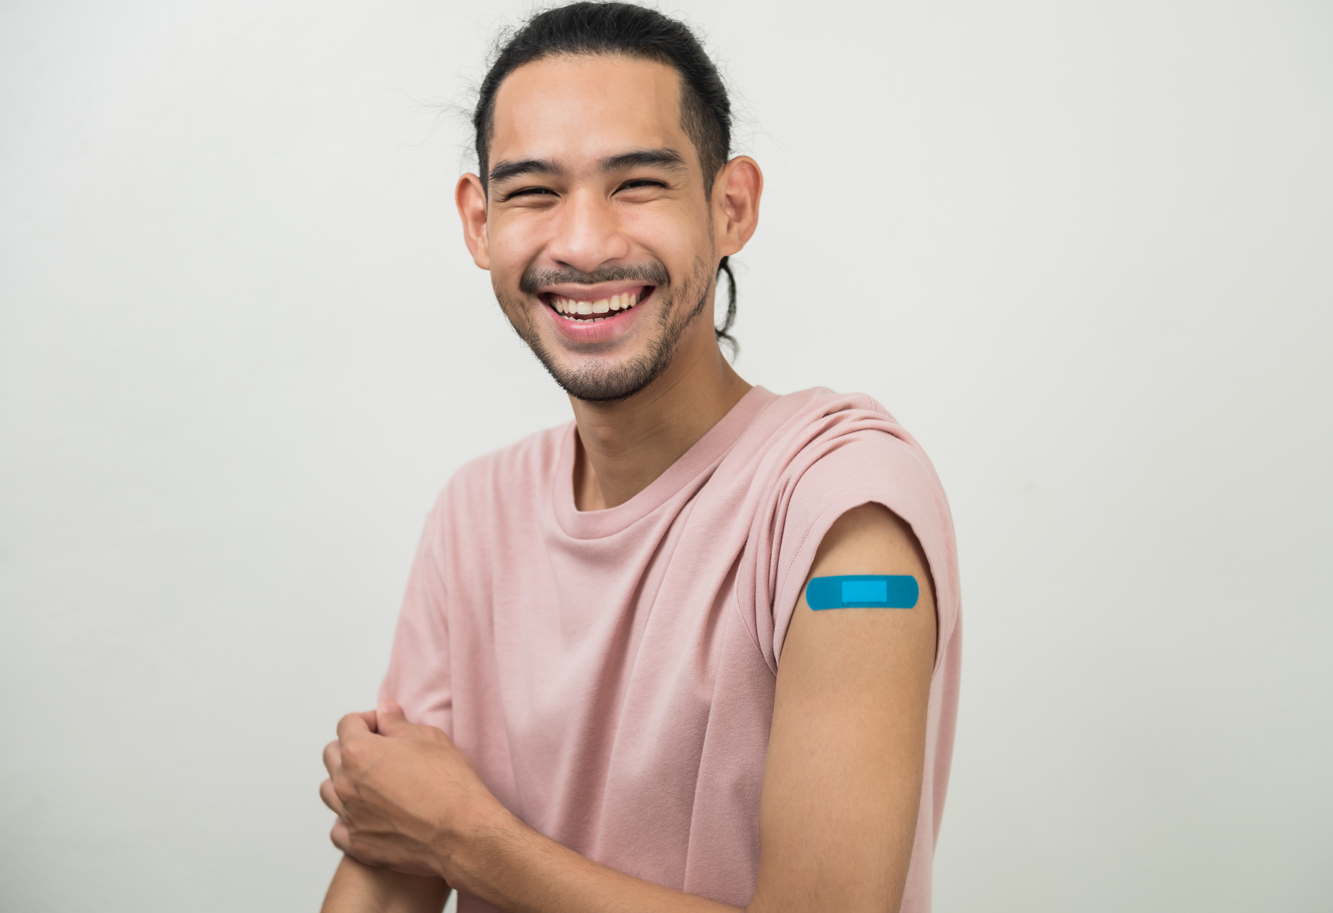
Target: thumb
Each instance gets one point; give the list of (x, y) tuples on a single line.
[(389, 717)]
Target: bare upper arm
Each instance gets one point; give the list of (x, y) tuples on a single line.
[(842, 782)]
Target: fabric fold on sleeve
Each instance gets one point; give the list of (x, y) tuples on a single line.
[(850, 453), (418, 678)]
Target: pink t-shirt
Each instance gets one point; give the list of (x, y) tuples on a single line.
[(611, 673)]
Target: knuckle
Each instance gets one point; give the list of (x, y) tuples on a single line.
[(352, 753)]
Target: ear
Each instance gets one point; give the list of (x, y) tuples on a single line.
[(471, 200), (736, 193)]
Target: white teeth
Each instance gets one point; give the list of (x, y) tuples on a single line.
[(569, 306)]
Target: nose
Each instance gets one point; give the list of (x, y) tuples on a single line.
[(587, 233)]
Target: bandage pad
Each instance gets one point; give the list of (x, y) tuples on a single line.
[(863, 591)]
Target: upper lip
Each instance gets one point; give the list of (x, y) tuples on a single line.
[(596, 292)]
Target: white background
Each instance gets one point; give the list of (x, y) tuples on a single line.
[(1083, 251)]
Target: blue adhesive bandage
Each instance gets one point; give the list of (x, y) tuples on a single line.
[(863, 591)]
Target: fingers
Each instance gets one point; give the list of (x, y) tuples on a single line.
[(330, 797), (356, 724), (389, 718), (333, 757), (391, 723), (340, 836)]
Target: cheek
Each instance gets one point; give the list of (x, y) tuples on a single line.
[(515, 245), (675, 235)]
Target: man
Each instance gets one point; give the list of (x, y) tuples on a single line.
[(613, 685)]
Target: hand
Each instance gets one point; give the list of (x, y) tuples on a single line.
[(405, 797)]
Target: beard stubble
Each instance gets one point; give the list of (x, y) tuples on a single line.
[(612, 382)]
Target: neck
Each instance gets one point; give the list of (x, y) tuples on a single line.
[(624, 446)]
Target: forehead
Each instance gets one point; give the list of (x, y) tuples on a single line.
[(573, 109)]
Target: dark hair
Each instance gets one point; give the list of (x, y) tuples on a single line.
[(586, 29)]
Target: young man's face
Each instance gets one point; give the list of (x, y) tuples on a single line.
[(596, 229)]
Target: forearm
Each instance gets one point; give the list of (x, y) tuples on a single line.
[(518, 870), (359, 888)]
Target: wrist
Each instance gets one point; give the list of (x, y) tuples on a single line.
[(476, 842)]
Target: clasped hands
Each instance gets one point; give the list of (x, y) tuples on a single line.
[(406, 798)]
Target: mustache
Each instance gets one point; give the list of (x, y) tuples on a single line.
[(534, 280)]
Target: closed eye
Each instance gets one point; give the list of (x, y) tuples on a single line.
[(527, 191), (641, 182)]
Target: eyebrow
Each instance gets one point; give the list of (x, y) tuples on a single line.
[(669, 159), (506, 170)]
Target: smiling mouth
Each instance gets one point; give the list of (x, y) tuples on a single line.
[(577, 310)]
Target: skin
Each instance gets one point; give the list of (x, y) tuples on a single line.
[(578, 113), (842, 780)]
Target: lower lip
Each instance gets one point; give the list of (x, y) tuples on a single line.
[(612, 326)]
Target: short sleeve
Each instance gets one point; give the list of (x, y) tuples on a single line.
[(418, 677), (870, 464)]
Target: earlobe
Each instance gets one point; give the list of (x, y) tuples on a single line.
[(471, 201)]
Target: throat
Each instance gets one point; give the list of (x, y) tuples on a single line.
[(622, 448)]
